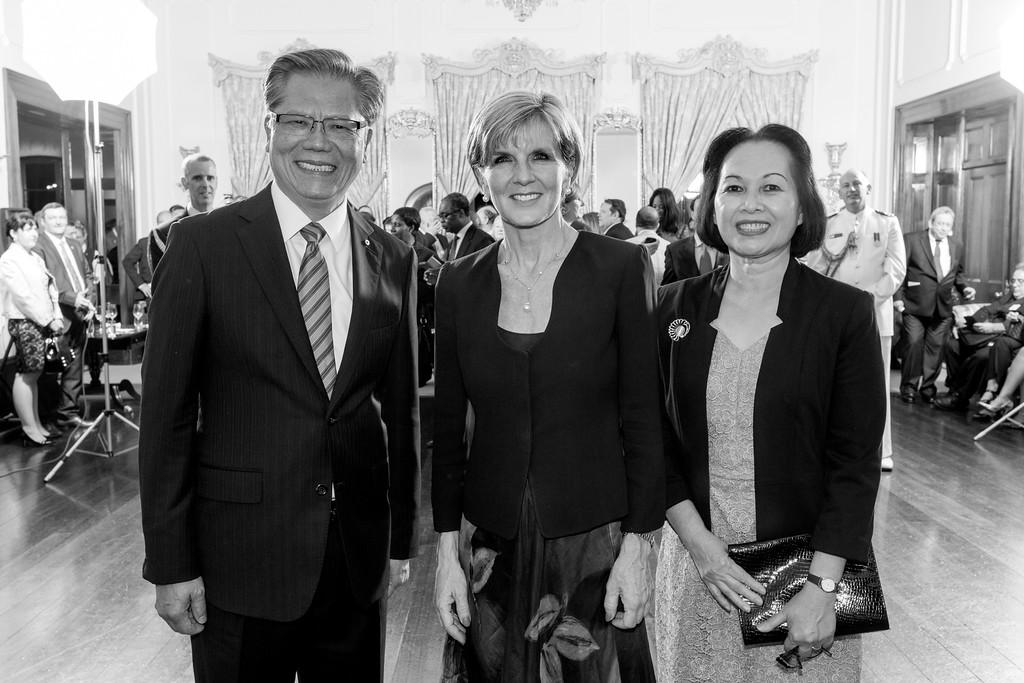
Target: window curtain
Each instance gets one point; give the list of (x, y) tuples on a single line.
[(460, 90), (685, 104), (242, 88)]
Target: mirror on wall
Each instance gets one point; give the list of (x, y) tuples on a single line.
[(617, 162)]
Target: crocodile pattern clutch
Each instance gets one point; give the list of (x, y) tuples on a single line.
[(782, 565)]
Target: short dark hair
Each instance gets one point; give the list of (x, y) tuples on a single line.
[(811, 231), (409, 216), (17, 221), (458, 202), (618, 206), (325, 63)]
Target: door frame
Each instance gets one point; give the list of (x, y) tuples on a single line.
[(984, 92)]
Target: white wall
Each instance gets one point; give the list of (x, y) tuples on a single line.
[(849, 99)]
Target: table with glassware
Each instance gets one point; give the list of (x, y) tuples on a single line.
[(125, 345)]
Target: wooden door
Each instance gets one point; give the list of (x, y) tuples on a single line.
[(985, 225)]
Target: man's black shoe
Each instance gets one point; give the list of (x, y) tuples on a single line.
[(908, 395), (927, 396), (952, 402)]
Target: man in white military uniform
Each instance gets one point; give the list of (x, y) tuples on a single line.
[(863, 247)]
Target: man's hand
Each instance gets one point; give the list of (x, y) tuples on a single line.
[(183, 605), (630, 581), (969, 293), (56, 325), (899, 305), (147, 289), (82, 301), (399, 575)]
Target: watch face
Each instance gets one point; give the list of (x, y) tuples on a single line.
[(828, 585)]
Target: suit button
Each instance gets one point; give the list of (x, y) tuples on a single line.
[(321, 490), (332, 420)]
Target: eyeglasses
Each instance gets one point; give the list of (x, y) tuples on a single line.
[(298, 125), (1016, 281)]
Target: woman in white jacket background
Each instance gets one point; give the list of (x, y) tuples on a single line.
[(30, 305)]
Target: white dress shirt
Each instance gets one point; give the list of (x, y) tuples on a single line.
[(944, 258), (459, 237), (336, 248)]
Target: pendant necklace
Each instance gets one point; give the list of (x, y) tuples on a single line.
[(540, 273)]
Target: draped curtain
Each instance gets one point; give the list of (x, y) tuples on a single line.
[(685, 104), (460, 90), (242, 89)]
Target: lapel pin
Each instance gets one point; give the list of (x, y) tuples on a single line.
[(366, 242), (678, 329)]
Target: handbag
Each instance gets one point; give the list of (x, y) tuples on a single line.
[(56, 358), (781, 565)]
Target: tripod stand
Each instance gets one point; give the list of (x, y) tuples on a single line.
[(99, 270)]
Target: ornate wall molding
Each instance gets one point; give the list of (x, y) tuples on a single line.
[(383, 66), (411, 123), (185, 151), (726, 56), (617, 117), (514, 57)]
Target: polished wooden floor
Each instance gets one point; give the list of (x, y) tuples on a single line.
[(949, 539)]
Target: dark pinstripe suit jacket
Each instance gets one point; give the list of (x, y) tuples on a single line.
[(244, 501)]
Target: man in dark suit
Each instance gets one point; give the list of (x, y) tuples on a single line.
[(136, 263), (292, 322), (934, 268), (464, 237), (689, 257), (66, 260), (199, 179), (611, 217)]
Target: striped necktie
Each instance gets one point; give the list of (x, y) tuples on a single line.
[(314, 291)]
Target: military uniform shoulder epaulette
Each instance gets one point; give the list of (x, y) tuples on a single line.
[(833, 215), (884, 213)]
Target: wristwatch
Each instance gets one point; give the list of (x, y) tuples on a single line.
[(826, 585)]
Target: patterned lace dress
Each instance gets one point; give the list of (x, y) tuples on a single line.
[(697, 640)]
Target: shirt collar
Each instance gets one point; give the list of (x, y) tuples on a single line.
[(292, 219), (462, 231), (696, 240)]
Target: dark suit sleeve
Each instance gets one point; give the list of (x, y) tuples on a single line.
[(399, 397), (449, 467), (639, 412), (856, 418), (960, 282), (670, 275), (168, 425), (676, 487), (131, 262)]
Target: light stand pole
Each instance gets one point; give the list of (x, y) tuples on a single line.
[(99, 270)]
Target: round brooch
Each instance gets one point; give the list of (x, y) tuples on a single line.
[(678, 329)]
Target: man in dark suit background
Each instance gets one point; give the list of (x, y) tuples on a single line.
[(934, 269), (689, 257), (136, 262), (464, 237), (611, 216), (199, 179), (292, 321), (66, 260)]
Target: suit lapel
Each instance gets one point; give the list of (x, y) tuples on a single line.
[(366, 264), (260, 237)]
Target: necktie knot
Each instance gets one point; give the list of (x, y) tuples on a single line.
[(313, 233)]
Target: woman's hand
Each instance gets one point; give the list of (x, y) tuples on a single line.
[(451, 595), (56, 325), (728, 583), (811, 619), (631, 581)]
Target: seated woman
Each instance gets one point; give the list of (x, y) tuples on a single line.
[(981, 355), (776, 402), (30, 304), (548, 339), (1004, 399)]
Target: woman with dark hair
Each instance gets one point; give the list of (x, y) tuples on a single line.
[(30, 304), (548, 339), (664, 202), (784, 436)]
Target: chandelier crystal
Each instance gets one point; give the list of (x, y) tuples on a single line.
[(522, 9)]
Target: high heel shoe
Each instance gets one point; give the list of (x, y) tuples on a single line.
[(28, 442), (990, 410)]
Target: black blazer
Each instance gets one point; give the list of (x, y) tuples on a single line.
[(681, 260), (245, 500), (136, 263), (474, 240), (66, 295), (923, 293), (619, 231), (578, 416), (819, 408)]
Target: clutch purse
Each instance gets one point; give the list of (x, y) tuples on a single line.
[(56, 358), (782, 565)]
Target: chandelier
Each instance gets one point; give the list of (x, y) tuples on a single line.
[(523, 9)]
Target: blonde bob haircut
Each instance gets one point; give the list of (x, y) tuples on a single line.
[(503, 120)]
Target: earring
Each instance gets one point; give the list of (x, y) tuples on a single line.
[(485, 197)]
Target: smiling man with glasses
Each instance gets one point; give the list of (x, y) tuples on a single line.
[(291, 319)]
